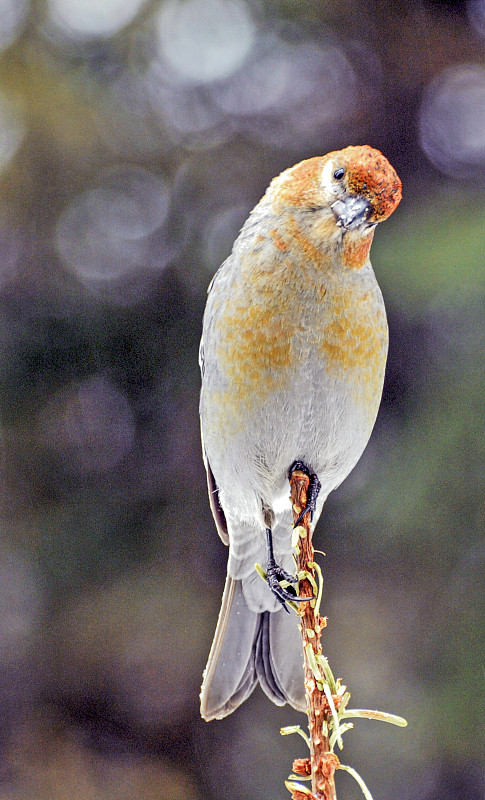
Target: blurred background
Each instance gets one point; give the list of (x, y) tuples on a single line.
[(135, 137)]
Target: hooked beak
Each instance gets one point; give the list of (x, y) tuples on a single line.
[(352, 212)]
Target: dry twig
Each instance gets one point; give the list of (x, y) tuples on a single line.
[(327, 698), (323, 762)]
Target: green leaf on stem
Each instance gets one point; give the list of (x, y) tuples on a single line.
[(313, 663), (380, 716), (328, 695), (359, 780), (295, 729), (298, 787)]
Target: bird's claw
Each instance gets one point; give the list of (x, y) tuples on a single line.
[(279, 574), (313, 491), (275, 574), (309, 509)]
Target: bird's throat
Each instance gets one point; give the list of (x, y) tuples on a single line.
[(356, 248)]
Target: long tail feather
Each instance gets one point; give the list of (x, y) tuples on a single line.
[(249, 646)]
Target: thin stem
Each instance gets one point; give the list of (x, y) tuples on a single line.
[(323, 761)]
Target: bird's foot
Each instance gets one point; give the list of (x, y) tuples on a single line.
[(275, 574), (312, 492)]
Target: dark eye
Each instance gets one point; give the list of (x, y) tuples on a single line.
[(339, 174)]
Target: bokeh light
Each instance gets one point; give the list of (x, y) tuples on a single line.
[(285, 91), (79, 19), (262, 84), (205, 40), (90, 425), (13, 14), (290, 90), (452, 121), (103, 236)]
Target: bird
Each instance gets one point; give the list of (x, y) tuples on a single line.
[(292, 356)]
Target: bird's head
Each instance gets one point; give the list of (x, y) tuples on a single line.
[(354, 188), (365, 186)]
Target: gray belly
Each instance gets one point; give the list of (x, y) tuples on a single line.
[(316, 419)]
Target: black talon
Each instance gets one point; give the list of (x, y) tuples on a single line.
[(312, 492), (275, 574)]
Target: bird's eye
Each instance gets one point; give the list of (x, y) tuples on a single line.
[(339, 174)]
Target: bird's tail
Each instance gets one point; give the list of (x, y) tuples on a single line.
[(251, 646)]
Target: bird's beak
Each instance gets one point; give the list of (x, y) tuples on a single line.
[(352, 212)]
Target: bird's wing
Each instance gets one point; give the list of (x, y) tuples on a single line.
[(219, 283), (216, 508)]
